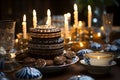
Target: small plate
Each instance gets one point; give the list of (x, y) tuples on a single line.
[(50, 69), (97, 70)]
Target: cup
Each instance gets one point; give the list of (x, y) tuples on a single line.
[(99, 58)]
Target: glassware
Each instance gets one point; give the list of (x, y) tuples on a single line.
[(107, 23), (7, 29)]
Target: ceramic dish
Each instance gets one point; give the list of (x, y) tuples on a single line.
[(98, 70), (50, 69)]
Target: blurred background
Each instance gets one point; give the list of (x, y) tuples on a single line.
[(14, 9)]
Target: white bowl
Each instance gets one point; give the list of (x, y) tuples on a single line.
[(99, 58), (97, 70)]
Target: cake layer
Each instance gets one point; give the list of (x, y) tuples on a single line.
[(45, 32), (45, 29), (46, 41), (45, 35), (43, 46), (45, 53)]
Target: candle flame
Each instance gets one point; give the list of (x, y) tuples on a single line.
[(89, 8), (80, 23), (102, 28), (68, 14), (34, 12), (99, 34), (75, 7), (16, 40), (24, 18), (48, 12), (81, 44)]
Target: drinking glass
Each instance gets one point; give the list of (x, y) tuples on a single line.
[(107, 23), (7, 29)]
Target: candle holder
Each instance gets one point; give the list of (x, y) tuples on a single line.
[(75, 36), (90, 34), (21, 43)]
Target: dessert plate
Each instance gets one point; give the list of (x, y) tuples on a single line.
[(50, 69)]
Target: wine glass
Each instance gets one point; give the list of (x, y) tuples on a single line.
[(107, 23), (7, 30)]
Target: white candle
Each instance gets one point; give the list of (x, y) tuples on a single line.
[(66, 26), (24, 27), (48, 17), (34, 19), (75, 15), (89, 16)]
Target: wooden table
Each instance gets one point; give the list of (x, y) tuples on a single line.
[(78, 69)]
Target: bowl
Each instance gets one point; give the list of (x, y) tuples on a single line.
[(81, 77), (99, 58), (97, 70)]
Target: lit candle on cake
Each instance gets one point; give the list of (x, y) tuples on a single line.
[(89, 16), (75, 15), (66, 26), (34, 19), (48, 17), (24, 27)]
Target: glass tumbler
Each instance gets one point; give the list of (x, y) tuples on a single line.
[(7, 33), (107, 23)]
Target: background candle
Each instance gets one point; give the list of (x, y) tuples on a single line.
[(48, 17), (24, 27), (89, 16), (66, 29), (75, 15), (34, 19)]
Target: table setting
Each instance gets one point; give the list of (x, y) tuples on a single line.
[(48, 52)]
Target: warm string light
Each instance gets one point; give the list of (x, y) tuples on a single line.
[(24, 27), (34, 19)]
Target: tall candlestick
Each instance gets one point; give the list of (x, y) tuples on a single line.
[(89, 16), (66, 26), (48, 17), (34, 19), (75, 15), (24, 27)]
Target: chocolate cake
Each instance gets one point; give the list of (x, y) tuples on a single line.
[(46, 42)]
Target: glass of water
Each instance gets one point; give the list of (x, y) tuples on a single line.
[(107, 23), (7, 30)]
